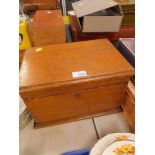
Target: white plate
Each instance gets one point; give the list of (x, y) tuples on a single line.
[(110, 149), (109, 141)]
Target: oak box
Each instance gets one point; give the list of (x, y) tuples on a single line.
[(64, 82), (47, 28)]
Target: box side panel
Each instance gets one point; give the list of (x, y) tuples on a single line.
[(102, 23), (128, 106)]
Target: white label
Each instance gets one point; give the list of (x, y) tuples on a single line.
[(79, 74)]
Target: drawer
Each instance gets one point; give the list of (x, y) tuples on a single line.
[(58, 107), (76, 104), (105, 98)]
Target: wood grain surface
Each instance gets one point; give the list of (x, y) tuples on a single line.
[(21, 55), (128, 105), (54, 64), (47, 28), (33, 5), (75, 118), (78, 103)]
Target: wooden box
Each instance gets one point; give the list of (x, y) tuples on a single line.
[(21, 55), (78, 35), (70, 81), (129, 105), (33, 5), (47, 28), (128, 8)]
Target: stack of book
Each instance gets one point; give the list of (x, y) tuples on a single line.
[(129, 105)]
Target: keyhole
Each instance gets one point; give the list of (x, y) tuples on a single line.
[(77, 94)]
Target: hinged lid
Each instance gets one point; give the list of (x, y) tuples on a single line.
[(47, 18), (85, 7), (68, 67)]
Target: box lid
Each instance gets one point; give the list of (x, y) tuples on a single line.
[(70, 67), (85, 7), (47, 18)]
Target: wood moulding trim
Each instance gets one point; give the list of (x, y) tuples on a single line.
[(107, 112), (77, 81)]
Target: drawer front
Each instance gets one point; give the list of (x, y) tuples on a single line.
[(105, 98), (57, 107), (77, 104)]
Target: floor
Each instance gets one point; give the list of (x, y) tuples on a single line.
[(77, 135)]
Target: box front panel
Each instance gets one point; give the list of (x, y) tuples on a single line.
[(76, 105), (58, 107), (46, 42), (47, 32), (105, 98)]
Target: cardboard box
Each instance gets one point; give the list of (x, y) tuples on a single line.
[(98, 16), (126, 31)]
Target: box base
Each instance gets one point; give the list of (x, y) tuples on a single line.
[(46, 124)]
